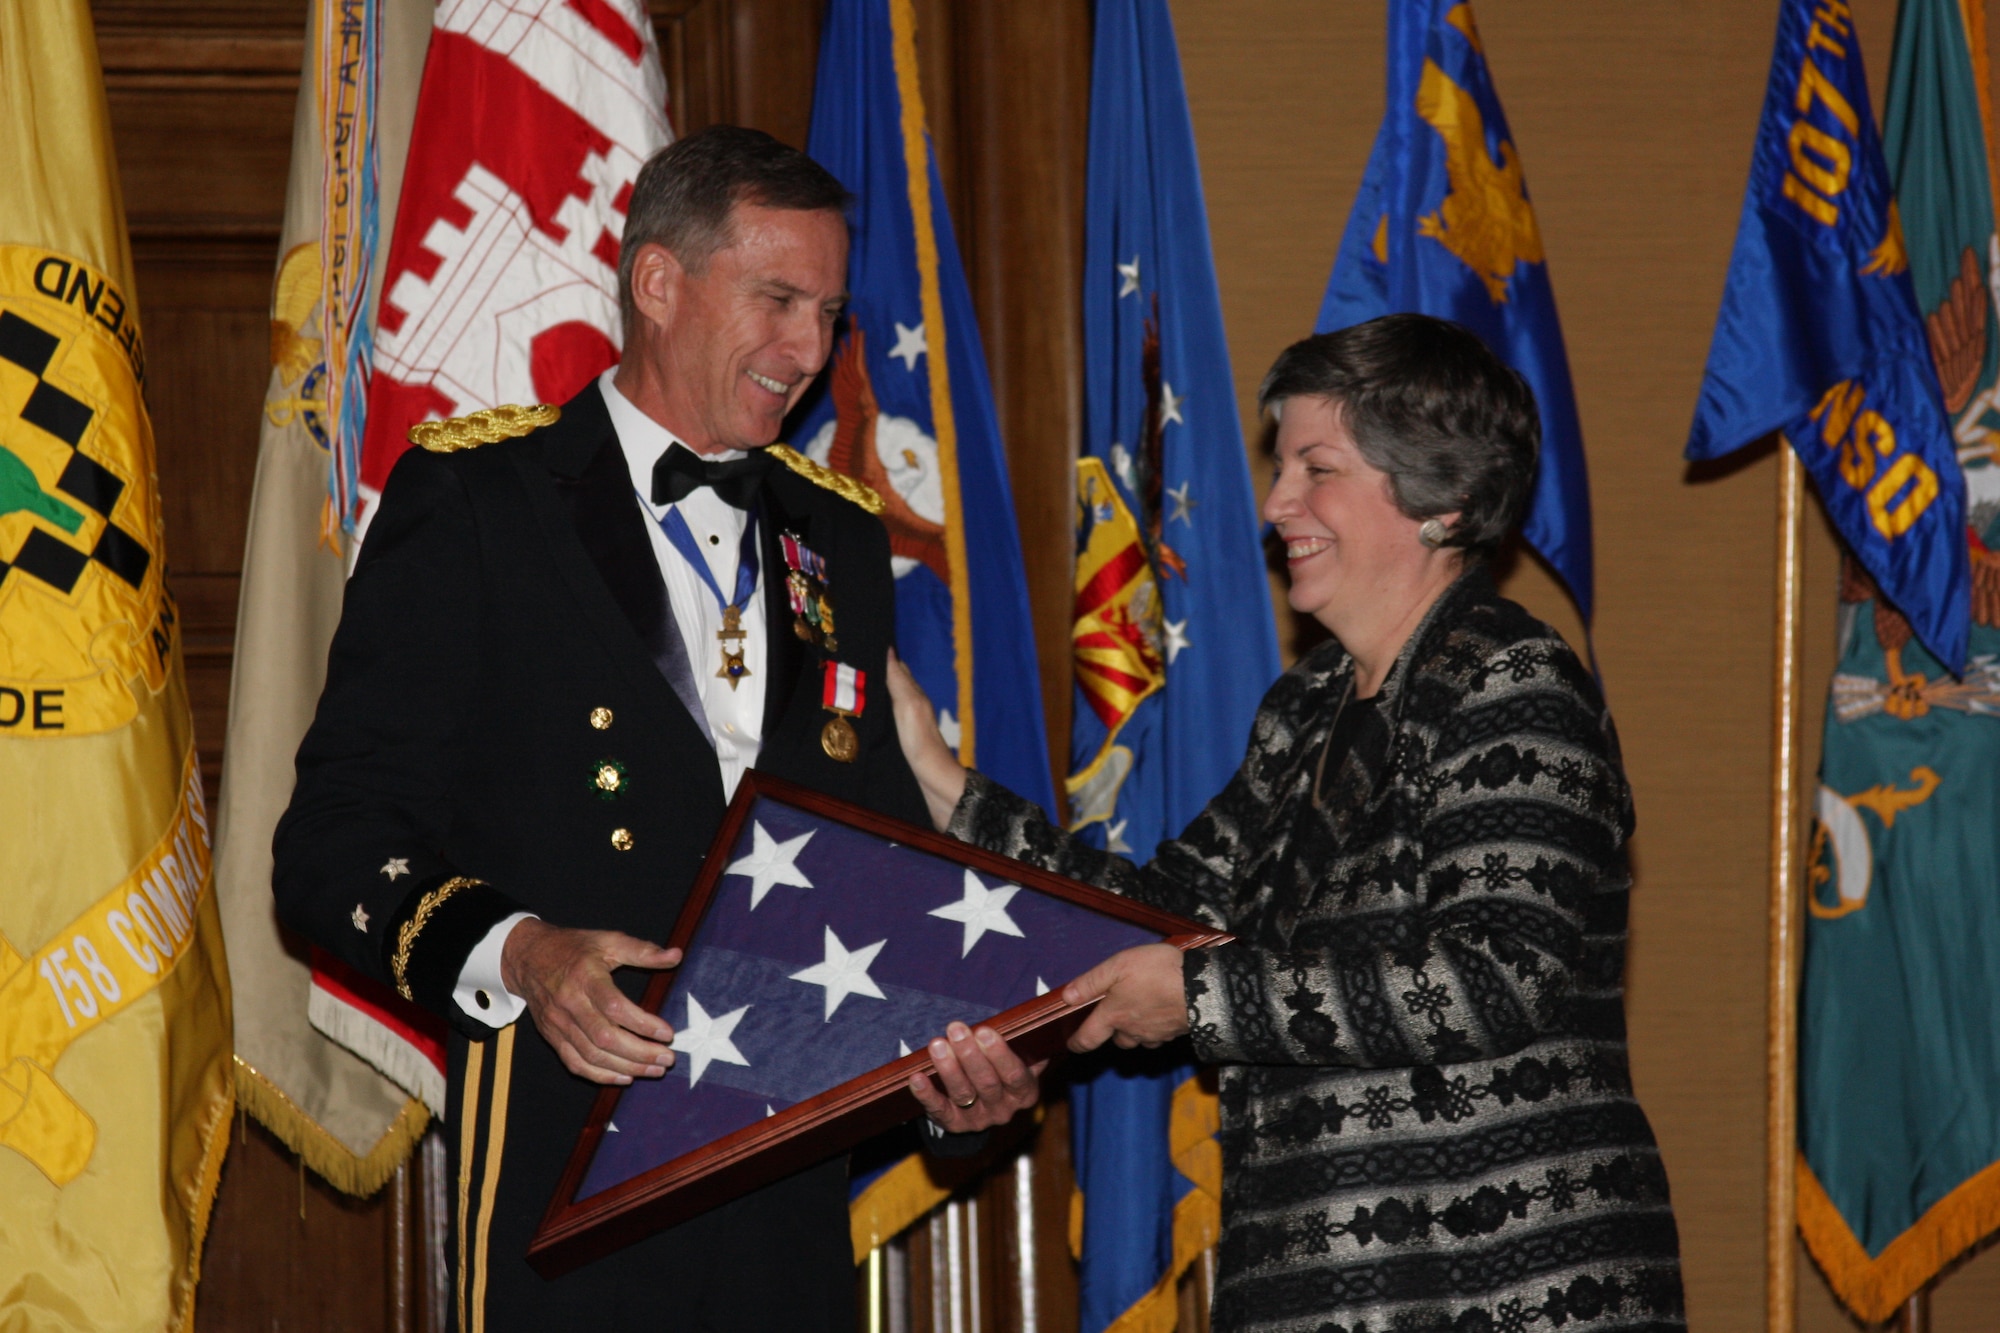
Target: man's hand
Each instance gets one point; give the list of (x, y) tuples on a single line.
[(985, 1083), (1144, 1004), (565, 978)]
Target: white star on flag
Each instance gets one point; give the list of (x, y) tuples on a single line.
[(1129, 277), (704, 1040), (981, 910), (1183, 503), (909, 344), (1170, 406), (1041, 987), (902, 1048), (771, 862), (1177, 639), (844, 973), (1114, 837), (396, 865), (948, 728)]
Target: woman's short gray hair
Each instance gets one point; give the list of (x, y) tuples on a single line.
[(1430, 405)]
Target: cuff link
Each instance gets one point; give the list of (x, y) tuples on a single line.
[(482, 999), (621, 838), (600, 719)]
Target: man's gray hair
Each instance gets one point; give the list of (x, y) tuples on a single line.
[(1427, 403), (684, 194)]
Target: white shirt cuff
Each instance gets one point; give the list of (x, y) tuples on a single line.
[(480, 992)]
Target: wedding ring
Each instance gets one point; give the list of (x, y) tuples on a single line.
[(966, 1104)]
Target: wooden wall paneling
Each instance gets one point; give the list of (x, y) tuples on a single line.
[(1021, 134), (695, 53), (288, 1251), (774, 45)]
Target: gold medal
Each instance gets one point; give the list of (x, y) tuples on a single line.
[(731, 636), (837, 738)]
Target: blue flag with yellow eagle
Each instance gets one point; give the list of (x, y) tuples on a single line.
[(1443, 226), (906, 407), (1899, 1051), (1172, 634), (1819, 335)]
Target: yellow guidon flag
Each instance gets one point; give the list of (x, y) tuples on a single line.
[(115, 1086)]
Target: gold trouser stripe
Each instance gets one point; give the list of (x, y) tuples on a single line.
[(468, 1139), (496, 1142)]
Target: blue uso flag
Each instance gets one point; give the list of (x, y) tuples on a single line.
[(1173, 636), (1820, 337), (1443, 226), (905, 406)]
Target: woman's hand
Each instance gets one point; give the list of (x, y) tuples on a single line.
[(938, 771), (1145, 999)]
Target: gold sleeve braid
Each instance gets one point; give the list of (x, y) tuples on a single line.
[(487, 426), (406, 934), (846, 487)]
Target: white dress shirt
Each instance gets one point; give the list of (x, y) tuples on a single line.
[(735, 716)]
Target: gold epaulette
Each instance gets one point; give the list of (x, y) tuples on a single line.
[(842, 485), (486, 426)]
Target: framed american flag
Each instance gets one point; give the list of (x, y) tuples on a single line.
[(825, 946)]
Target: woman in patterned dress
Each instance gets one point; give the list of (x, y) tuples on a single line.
[(1427, 1112)]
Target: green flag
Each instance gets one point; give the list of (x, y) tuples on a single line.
[(1899, 1052)]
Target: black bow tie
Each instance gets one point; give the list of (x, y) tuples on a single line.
[(680, 471)]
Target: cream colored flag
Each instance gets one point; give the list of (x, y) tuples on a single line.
[(115, 1087), (347, 1121)]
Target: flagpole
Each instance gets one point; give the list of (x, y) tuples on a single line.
[(1781, 1017)]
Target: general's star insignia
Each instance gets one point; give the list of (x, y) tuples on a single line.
[(1128, 275), (909, 344), (396, 865), (360, 918), (980, 911)]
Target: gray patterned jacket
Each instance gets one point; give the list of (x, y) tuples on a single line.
[(1427, 1119)]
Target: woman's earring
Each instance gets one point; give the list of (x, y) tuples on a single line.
[(1433, 533)]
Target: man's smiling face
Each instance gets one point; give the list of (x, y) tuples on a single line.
[(745, 336)]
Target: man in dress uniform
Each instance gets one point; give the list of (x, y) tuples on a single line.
[(567, 636)]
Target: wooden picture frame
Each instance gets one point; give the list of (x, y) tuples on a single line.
[(580, 1226)]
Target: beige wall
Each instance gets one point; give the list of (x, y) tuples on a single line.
[(1634, 122)]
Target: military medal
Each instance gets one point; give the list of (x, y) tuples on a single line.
[(844, 697), (732, 634), (806, 589)]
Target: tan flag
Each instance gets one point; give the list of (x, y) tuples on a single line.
[(114, 993), (347, 1121)]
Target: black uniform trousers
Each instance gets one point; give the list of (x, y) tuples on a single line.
[(506, 632)]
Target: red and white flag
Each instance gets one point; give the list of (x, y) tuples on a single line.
[(501, 286), (502, 280)]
